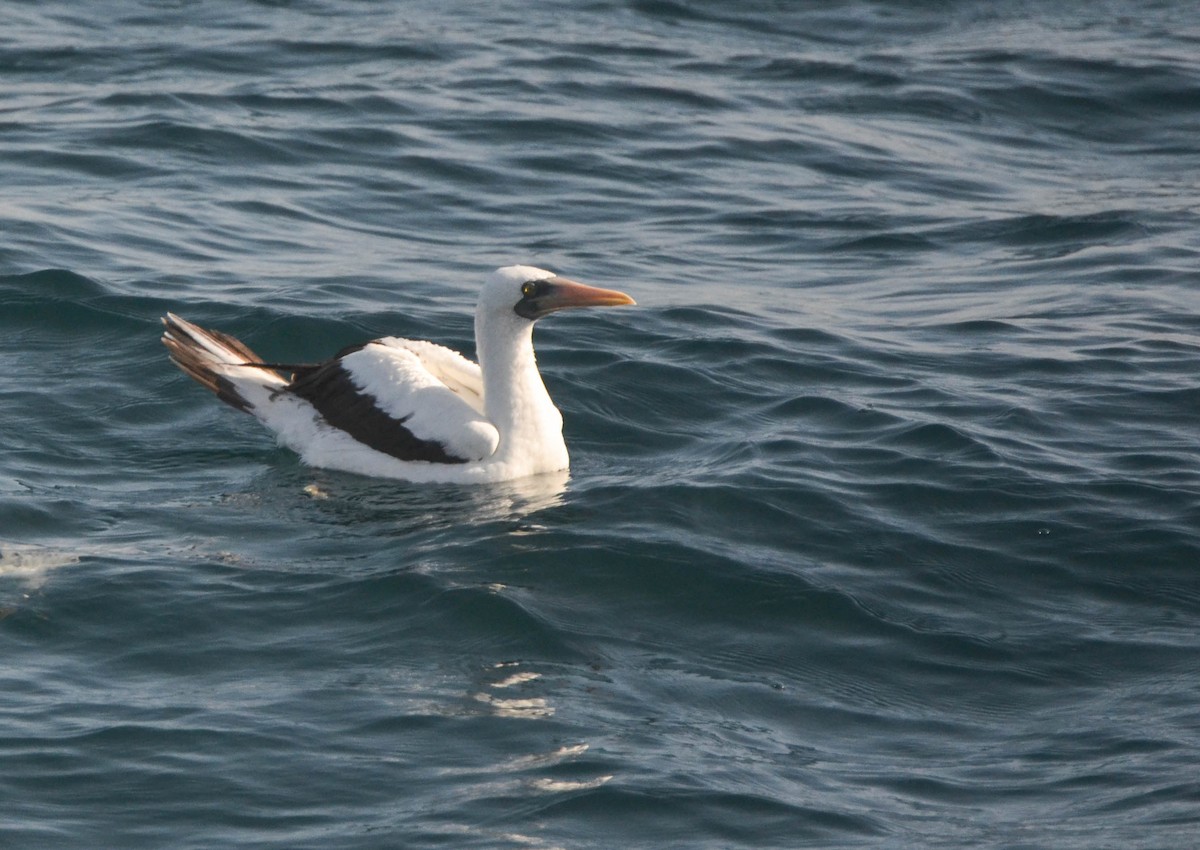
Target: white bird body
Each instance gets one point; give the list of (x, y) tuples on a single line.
[(410, 409)]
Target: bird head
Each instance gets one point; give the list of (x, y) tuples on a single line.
[(532, 293)]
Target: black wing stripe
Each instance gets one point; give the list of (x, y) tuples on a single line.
[(343, 405)]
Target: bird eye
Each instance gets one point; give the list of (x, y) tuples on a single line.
[(528, 288)]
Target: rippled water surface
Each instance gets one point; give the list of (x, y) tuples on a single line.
[(883, 523)]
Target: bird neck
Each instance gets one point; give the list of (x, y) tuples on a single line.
[(515, 398)]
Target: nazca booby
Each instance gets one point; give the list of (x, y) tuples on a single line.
[(409, 409)]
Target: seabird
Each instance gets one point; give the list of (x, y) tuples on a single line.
[(409, 409)]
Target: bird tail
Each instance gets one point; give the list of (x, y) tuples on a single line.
[(220, 363)]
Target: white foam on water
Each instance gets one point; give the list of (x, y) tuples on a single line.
[(31, 564)]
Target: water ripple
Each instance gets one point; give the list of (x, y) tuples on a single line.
[(881, 525)]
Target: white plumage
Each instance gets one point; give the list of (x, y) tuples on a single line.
[(404, 408), (411, 385)]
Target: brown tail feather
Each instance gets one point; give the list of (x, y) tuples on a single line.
[(184, 342)]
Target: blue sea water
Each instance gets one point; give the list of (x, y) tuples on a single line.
[(883, 523)]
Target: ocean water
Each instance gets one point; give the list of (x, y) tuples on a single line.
[(883, 523)]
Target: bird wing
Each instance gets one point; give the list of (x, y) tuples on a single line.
[(460, 375), (387, 397)]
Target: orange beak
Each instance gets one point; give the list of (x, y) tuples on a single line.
[(560, 293)]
